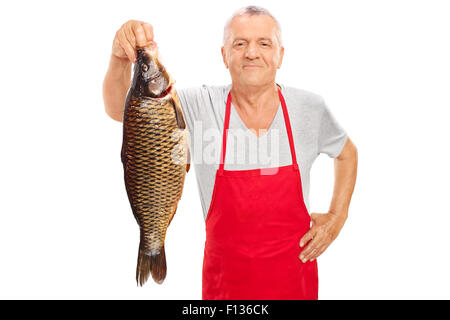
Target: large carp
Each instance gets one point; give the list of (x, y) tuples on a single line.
[(155, 157)]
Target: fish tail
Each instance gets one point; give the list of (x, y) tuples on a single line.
[(154, 264)]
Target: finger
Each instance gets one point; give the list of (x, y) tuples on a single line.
[(314, 253), (139, 33), (305, 257), (317, 252), (117, 48), (129, 33), (307, 236), (312, 245), (148, 29), (129, 50), (321, 247)]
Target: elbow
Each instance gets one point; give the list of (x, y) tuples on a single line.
[(118, 116), (109, 102), (115, 116)]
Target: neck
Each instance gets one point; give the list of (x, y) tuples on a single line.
[(254, 97)]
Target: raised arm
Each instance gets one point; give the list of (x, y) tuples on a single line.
[(131, 34)]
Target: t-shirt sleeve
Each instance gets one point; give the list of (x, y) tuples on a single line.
[(332, 136), (190, 103)]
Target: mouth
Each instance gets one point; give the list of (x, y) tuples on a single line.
[(251, 66)]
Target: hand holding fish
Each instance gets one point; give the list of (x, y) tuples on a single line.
[(132, 34)]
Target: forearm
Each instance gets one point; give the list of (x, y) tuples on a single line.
[(345, 169), (115, 87)]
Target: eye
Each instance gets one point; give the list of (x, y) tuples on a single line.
[(144, 67)]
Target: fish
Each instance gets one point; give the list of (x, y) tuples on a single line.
[(155, 156)]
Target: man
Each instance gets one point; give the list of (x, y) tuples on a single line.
[(260, 243)]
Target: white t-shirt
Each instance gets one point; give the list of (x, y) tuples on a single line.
[(314, 131)]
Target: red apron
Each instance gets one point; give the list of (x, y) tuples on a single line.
[(253, 229)]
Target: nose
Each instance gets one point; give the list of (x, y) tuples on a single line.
[(252, 51)]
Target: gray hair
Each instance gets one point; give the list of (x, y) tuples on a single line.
[(251, 11)]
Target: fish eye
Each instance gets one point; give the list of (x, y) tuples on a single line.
[(144, 67)]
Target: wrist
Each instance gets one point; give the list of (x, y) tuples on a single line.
[(118, 67), (115, 61), (339, 214)]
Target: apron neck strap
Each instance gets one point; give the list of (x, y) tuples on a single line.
[(288, 129), (227, 122), (225, 132)]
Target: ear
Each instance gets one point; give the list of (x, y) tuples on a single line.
[(281, 57), (224, 56)]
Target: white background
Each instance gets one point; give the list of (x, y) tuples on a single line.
[(66, 227)]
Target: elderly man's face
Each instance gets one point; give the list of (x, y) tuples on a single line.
[(252, 52)]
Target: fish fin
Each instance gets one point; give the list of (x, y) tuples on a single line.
[(173, 214), (123, 149), (154, 264), (178, 110), (122, 154), (188, 163), (181, 123)]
